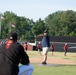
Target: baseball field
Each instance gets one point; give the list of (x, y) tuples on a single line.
[(58, 64)]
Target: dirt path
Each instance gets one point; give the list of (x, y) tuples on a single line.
[(53, 61)]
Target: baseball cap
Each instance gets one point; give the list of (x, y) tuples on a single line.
[(12, 36), (45, 31), (65, 43)]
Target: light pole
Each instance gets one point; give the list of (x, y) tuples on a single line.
[(1, 18), (0, 25)]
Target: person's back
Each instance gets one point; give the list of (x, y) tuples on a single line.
[(11, 54), (10, 58)]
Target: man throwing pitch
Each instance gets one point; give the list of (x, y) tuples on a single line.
[(45, 46)]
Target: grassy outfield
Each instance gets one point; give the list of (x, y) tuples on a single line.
[(70, 56), (54, 70)]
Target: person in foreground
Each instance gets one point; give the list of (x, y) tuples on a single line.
[(45, 46), (11, 54)]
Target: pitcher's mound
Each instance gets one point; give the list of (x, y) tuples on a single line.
[(49, 64)]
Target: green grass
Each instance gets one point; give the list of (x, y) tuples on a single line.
[(54, 70), (70, 56), (51, 70)]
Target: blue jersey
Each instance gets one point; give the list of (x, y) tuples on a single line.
[(46, 41)]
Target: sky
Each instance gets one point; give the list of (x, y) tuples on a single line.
[(35, 9)]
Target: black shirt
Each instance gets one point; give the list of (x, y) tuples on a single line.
[(10, 58)]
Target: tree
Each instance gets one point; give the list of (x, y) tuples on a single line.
[(38, 27), (22, 25), (62, 23)]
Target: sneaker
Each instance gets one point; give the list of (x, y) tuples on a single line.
[(44, 63)]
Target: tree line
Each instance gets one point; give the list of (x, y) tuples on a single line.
[(59, 23)]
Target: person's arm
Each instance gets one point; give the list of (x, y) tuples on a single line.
[(24, 57), (48, 40)]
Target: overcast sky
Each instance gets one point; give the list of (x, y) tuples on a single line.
[(35, 9)]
